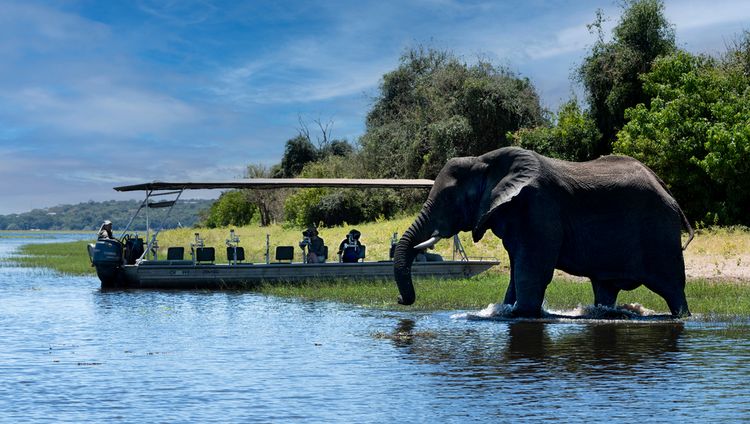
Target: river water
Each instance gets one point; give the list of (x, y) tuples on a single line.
[(70, 353)]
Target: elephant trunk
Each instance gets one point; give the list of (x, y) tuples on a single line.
[(403, 257)]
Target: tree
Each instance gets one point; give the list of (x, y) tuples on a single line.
[(573, 136), (300, 150), (695, 134), (434, 107), (610, 73), (297, 152), (268, 202), (232, 208)]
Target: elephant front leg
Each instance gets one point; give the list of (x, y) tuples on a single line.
[(604, 294), (510, 293), (532, 274)]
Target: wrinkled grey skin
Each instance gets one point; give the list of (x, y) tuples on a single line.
[(611, 220)]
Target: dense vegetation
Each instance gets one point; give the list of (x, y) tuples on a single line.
[(89, 216), (684, 115)]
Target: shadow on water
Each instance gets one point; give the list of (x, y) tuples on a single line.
[(537, 347)]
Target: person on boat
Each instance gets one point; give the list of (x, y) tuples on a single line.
[(105, 231), (315, 246), (424, 256), (349, 249)]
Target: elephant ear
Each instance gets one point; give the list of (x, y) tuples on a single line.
[(508, 172)]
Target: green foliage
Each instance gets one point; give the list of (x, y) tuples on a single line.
[(90, 215), (337, 206), (573, 137), (298, 152), (70, 258), (232, 208), (434, 107), (695, 135), (610, 73)]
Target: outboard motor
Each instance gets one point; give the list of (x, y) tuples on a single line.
[(106, 256)]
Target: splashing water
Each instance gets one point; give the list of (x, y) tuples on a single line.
[(503, 312)]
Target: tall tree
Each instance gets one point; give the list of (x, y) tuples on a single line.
[(298, 152), (268, 202), (434, 107), (610, 73), (695, 133)]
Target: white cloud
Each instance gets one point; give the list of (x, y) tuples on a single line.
[(689, 15), (102, 107)]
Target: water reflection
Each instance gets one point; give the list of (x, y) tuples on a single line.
[(534, 347)]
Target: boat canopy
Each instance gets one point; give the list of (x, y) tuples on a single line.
[(272, 183)]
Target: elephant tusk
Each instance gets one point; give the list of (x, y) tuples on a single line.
[(427, 244)]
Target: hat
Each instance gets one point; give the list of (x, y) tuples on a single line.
[(355, 234), (107, 222)]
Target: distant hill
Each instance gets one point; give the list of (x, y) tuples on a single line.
[(89, 216)]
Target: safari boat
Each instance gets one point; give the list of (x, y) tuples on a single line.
[(130, 263)]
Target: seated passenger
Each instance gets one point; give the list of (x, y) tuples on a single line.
[(315, 246), (105, 231), (424, 256), (349, 249)]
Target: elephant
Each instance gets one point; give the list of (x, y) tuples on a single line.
[(611, 219)]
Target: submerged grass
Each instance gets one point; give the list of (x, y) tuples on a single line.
[(709, 298), (704, 298)]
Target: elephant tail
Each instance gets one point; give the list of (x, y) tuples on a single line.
[(689, 228)]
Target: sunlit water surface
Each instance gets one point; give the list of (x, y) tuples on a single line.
[(70, 353)]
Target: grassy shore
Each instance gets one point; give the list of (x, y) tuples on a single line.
[(706, 296)]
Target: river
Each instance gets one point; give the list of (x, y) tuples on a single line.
[(71, 353)]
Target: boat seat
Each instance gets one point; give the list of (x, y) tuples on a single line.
[(175, 253), (205, 255), (240, 253), (284, 253), (354, 252)]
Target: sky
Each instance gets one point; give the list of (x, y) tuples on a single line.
[(96, 94)]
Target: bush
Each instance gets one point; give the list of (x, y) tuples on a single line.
[(573, 137), (336, 206), (232, 208)]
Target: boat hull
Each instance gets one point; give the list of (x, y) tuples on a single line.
[(168, 275)]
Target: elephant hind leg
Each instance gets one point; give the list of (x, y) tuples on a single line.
[(605, 293)]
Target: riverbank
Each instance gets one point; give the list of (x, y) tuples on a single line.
[(717, 266)]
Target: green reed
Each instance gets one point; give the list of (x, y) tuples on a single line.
[(69, 258)]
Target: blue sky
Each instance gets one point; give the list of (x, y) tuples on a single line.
[(95, 94)]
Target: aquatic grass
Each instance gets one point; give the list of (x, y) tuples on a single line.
[(704, 297), (713, 297), (70, 258), (432, 293)]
